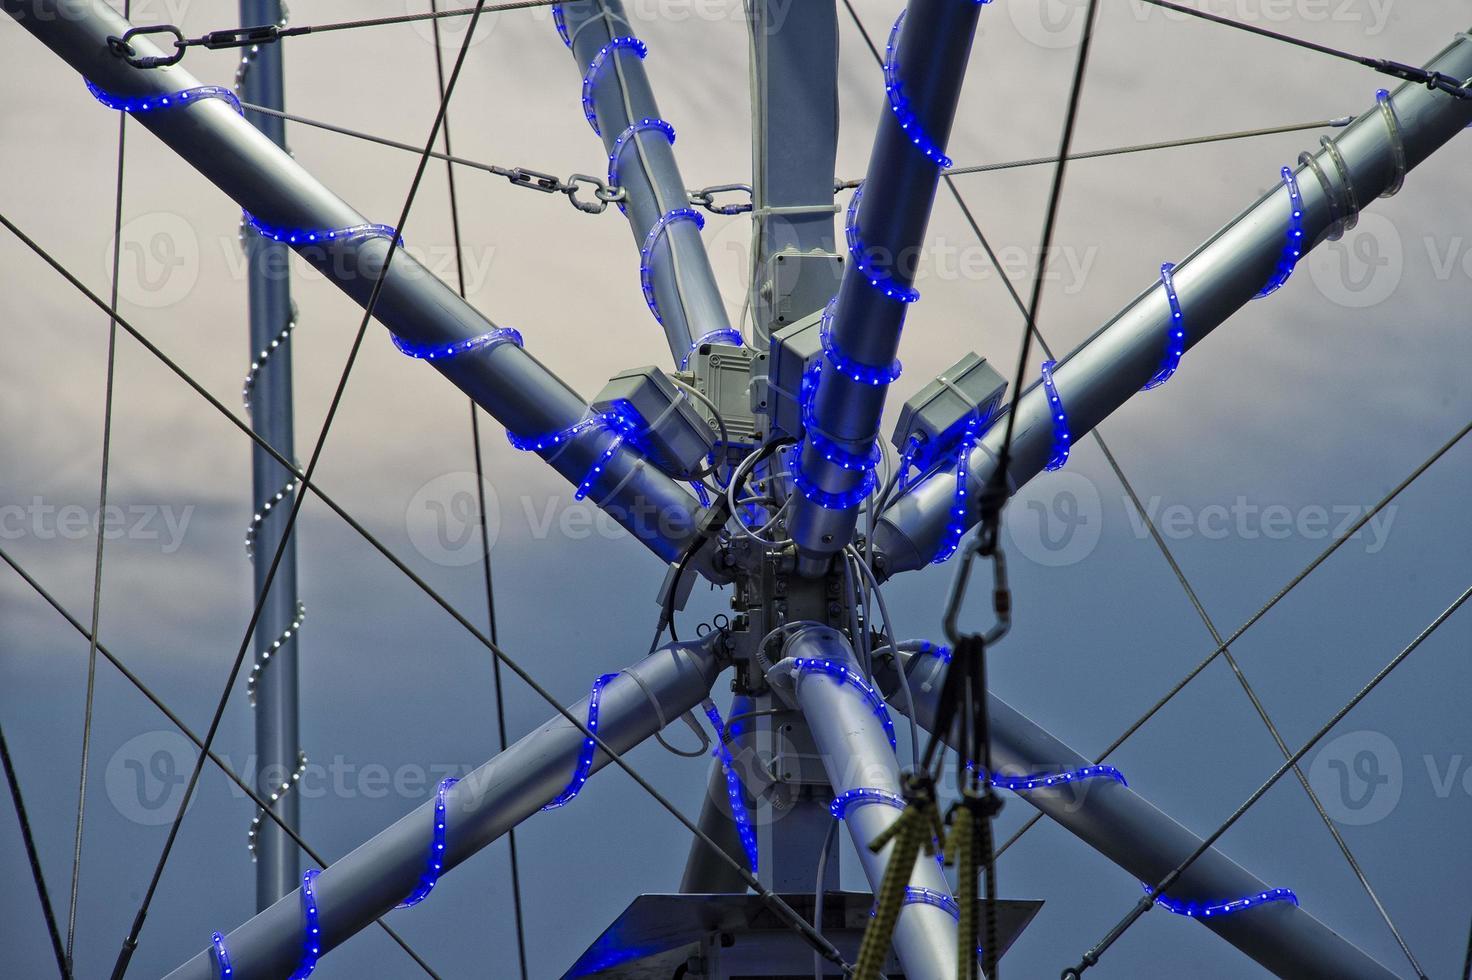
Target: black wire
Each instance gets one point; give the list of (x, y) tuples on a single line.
[(773, 900), (130, 943), (1384, 66), (480, 492), (1004, 458), (1467, 962), (33, 857), (189, 733), (107, 403), (1092, 956)]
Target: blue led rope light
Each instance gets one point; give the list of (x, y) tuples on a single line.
[(439, 352), (734, 788), (643, 125), (956, 522), (829, 500), (312, 928), (174, 100), (539, 444), (900, 106), (586, 486), (830, 450), (630, 43), (436, 861), (884, 283), (560, 22), (1062, 437), (1023, 784), (726, 335), (841, 672), (589, 748), (1175, 338), (863, 796), (847, 366), (646, 253), (915, 895), (939, 650), (1293, 242), (1195, 910), (222, 956), (304, 236)]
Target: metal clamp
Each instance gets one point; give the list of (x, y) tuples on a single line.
[(120, 47)]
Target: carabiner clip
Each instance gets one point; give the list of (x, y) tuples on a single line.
[(120, 47), (1001, 597)]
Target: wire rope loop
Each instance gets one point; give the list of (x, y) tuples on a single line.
[(122, 47)]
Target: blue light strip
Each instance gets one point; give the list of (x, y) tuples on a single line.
[(1022, 784), (1195, 910), (725, 335), (304, 236), (436, 861), (840, 456), (589, 748), (957, 522), (854, 370), (630, 43), (733, 786), (538, 444), (1293, 243), (560, 22), (174, 100), (939, 650), (829, 500), (312, 934), (435, 352), (646, 254), (915, 895), (586, 486), (1062, 438), (222, 957), (884, 283), (643, 125), (1175, 339), (900, 106), (841, 672), (863, 796)]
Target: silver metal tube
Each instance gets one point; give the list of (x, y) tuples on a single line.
[(857, 754), (507, 381), (268, 280), (1218, 279), (898, 192), (515, 785), (794, 106), (684, 286), (1127, 829)]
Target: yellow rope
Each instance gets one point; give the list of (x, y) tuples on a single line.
[(962, 844), (910, 832)]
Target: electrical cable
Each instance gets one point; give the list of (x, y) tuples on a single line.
[(107, 407), (33, 858), (480, 498), (773, 901), (1409, 73), (889, 635), (178, 723), (1092, 956)]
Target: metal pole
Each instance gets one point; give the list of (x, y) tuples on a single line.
[(886, 233), (510, 383), (270, 398), (856, 752), (623, 109), (1218, 279), (1127, 829), (794, 108), (510, 788)]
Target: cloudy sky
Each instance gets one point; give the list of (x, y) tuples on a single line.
[(1305, 408)]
